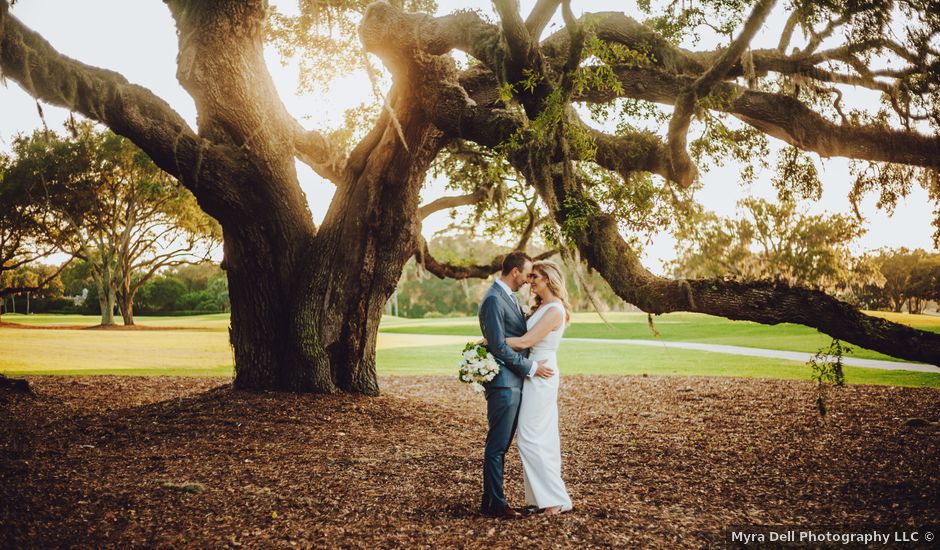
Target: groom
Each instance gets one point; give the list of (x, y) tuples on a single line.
[(501, 317)]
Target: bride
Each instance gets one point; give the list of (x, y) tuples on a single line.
[(537, 430)]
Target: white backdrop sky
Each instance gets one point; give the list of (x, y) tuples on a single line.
[(138, 40)]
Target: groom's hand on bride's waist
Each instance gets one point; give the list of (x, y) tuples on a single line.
[(544, 371)]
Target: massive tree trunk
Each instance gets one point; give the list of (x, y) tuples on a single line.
[(357, 259), (306, 302), (267, 229)]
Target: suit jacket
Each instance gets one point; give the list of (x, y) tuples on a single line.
[(500, 318)]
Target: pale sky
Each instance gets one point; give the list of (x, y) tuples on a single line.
[(138, 40)]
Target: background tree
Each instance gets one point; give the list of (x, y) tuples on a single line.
[(123, 215), (307, 300), (866, 283), (40, 281), (77, 281), (771, 241), (187, 288), (911, 278), (924, 284), (28, 233)]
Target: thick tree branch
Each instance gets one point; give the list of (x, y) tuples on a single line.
[(762, 302), (540, 15), (490, 125), (453, 271), (788, 29), (128, 109), (617, 28), (317, 152), (787, 119), (631, 152), (445, 203), (766, 61), (682, 170), (515, 33), (397, 36), (446, 270), (601, 244), (730, 56)]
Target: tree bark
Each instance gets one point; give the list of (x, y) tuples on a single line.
[(366, 237), (126, 301), (106, 300)]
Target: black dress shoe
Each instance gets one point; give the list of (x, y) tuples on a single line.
[(503, 512)]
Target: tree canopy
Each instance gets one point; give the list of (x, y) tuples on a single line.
[(112, 208), (595, 134), (28, 233), (801, 249)]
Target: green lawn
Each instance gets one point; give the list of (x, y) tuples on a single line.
[(145, 353), (681, 327), (202, 349), (577, 358), (212, 321)]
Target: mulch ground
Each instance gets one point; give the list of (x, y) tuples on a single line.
[(651, 462)]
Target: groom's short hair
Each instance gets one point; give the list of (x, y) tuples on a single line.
[(515, 260)]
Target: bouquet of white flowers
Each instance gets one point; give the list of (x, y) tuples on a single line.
[(477, 366)]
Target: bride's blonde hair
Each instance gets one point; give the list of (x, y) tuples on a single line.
[(556, 283)]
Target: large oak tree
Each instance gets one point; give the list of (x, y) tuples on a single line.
[(307, 299)]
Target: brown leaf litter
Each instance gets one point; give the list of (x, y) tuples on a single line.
[(651, 462)]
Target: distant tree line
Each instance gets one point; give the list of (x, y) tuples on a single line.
[(911, 280), (185, 289), (782, 242)]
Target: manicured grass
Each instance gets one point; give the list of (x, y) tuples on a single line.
[(683, 327), (218, 322), (579, 358), (144, 353), (202, 349)]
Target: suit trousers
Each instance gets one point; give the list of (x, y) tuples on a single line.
[(502, 413)]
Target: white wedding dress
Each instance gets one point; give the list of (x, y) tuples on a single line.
[(537, 428)]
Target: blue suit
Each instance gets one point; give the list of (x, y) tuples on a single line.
[(500, 317)]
